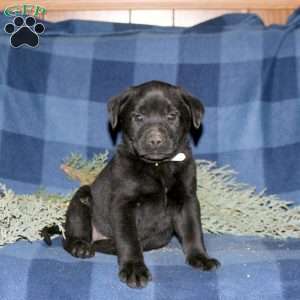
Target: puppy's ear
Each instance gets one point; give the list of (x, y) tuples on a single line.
[(194, 105), (115, 105)]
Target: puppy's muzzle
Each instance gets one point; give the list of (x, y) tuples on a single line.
[(155, 139), (155, 144)]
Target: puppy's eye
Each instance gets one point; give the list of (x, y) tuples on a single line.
[(138, 117), (172, 116)]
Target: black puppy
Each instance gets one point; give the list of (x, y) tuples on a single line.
[(147, 192)]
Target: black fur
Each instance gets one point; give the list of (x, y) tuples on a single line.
[(141, 198)]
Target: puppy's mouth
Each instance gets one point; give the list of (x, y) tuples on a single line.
[(156, 157), (153, 156)]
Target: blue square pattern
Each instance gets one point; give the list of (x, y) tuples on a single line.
[(119, 47), (98, 132), (22, 187), (66, 121), (278, 124), (292, 196), (296, 36), (289, 269), (151, 61), (24, 113), (18, 268), (237, 46), (54, 155), (194, 78), (34, 64), (68, 46), (244, 77), (68, 277), (280, 43), (146, 72), (1, 115), (3, 95), (281, 168), (280, 79), (205, 49), (109, 78), (248, 135), (152, 48), (249, 164), (21, 157), (5, 48), (70, 77)]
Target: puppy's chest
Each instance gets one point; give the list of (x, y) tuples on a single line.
[(158, 191), (157, 183)]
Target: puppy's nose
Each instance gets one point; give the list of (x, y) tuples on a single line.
[(155, 138)]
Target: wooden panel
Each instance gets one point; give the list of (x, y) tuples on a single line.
[(273, 16), (179, 12), (190, 17), (183, 18), (121, 16), (158, 4), (162, 17)]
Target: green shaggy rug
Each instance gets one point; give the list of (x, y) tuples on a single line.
[(227, 206)]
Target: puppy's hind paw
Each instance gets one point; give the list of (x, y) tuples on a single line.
[(80, 249)]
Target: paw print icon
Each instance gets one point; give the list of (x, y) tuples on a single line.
[(24, 31)]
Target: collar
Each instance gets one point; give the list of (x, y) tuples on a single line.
[(178, 157)]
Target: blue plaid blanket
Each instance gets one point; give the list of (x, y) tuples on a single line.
[(53, 102), (252, 269), (53, 97)]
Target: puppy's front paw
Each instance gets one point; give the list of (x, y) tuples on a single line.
[(135, 274), (81, 249), (203, 262)]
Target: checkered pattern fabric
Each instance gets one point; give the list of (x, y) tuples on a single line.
[(252, 269), (53, 97), (53, 102)]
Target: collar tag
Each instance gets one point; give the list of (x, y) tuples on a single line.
[(179, 157)]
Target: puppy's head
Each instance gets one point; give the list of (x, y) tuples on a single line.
[(155, 118)]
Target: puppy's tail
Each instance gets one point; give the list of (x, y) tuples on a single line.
[(48, 231), (83, 194)]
